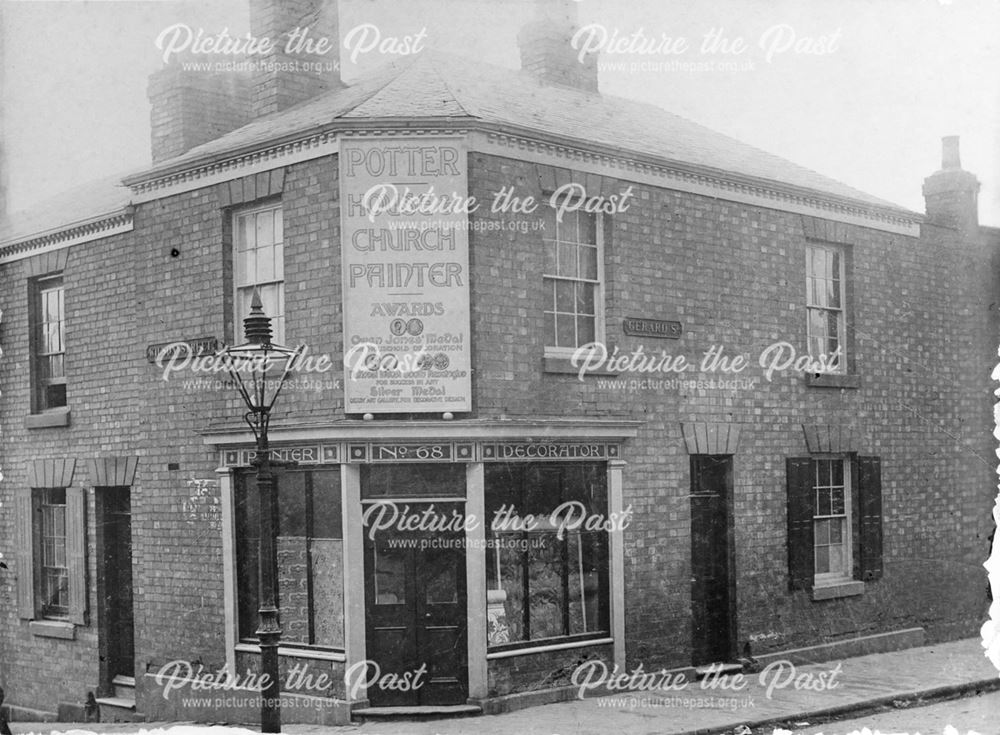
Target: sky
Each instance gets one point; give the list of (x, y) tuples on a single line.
[(859, 90)]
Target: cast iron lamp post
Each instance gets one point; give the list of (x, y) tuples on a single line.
[(259, 369)]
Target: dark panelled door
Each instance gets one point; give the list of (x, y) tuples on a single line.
[(416, 616), (118, 581), (712, 600)]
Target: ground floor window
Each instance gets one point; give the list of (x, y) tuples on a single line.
[(310, 556), (546, 565), (834, 520), (54, 591)]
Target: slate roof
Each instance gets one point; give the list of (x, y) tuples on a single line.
[(65, 210), (438, 85)]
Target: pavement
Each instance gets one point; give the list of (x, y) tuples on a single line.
[(781, 695)]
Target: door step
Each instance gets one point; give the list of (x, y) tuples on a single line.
[(121, 706), (717, 669), (425, 712)]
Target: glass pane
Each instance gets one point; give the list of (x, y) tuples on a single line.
[(836, 558), (326, 506), (566, 228), (588, 263), (836, 532), (823, 263), (265, 229), (577, 607), (832, 324), (832, 294), (550, 267), (565, 296), (247, 268), (822, 501), (837, 501), (265, 264), (565, 330), (822, 559), (291, 504), (588, 227), (837, 472), (390, 576), (833, 257), (811, 291), (438, 569), (292, 552), (822, 533), (817, 323), (810, 262), (56, 367), (585, 298), (545, 586), (242, 242), (550, 328), (269, 300), (278, 224), (279, 262), (585, 325), (511, 573), (567, 260)]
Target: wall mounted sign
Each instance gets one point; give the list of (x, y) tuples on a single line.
[(411, 452), (306, 454), (506, 451), (199, 347), (656, 328), (405, 267)]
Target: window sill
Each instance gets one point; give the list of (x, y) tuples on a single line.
[(52, 629), (47, 419), (509, 653), (832, 380), (833, 590), (564, 366), (291, 651)]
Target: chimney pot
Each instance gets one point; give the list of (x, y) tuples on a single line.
[(949, 153)]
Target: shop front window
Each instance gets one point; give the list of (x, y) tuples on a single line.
[(547, 573), (310, 556)]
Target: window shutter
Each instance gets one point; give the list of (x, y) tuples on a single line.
[(800, 523), (76, 553), (870, 514), (25, 555)]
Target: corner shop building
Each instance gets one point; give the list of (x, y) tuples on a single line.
[(787, 513)]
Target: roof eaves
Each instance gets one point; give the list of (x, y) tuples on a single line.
[(92, 228), (716, 175)]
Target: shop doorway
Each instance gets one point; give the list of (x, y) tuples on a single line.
[(415, 601), (713, 598), (415, 586)]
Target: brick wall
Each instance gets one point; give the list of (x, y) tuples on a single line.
[(732, 273)]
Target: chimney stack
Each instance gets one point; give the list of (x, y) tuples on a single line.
[(546, 47), (951, 194), (190, 107), (286, 82)]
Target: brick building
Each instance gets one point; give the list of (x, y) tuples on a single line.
[(836, 503)]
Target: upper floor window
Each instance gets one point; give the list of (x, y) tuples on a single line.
[(825, 300), (48, 344), (259, 262), (573, 276)]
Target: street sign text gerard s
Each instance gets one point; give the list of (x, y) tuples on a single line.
[(165, 351), (656, 328)]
